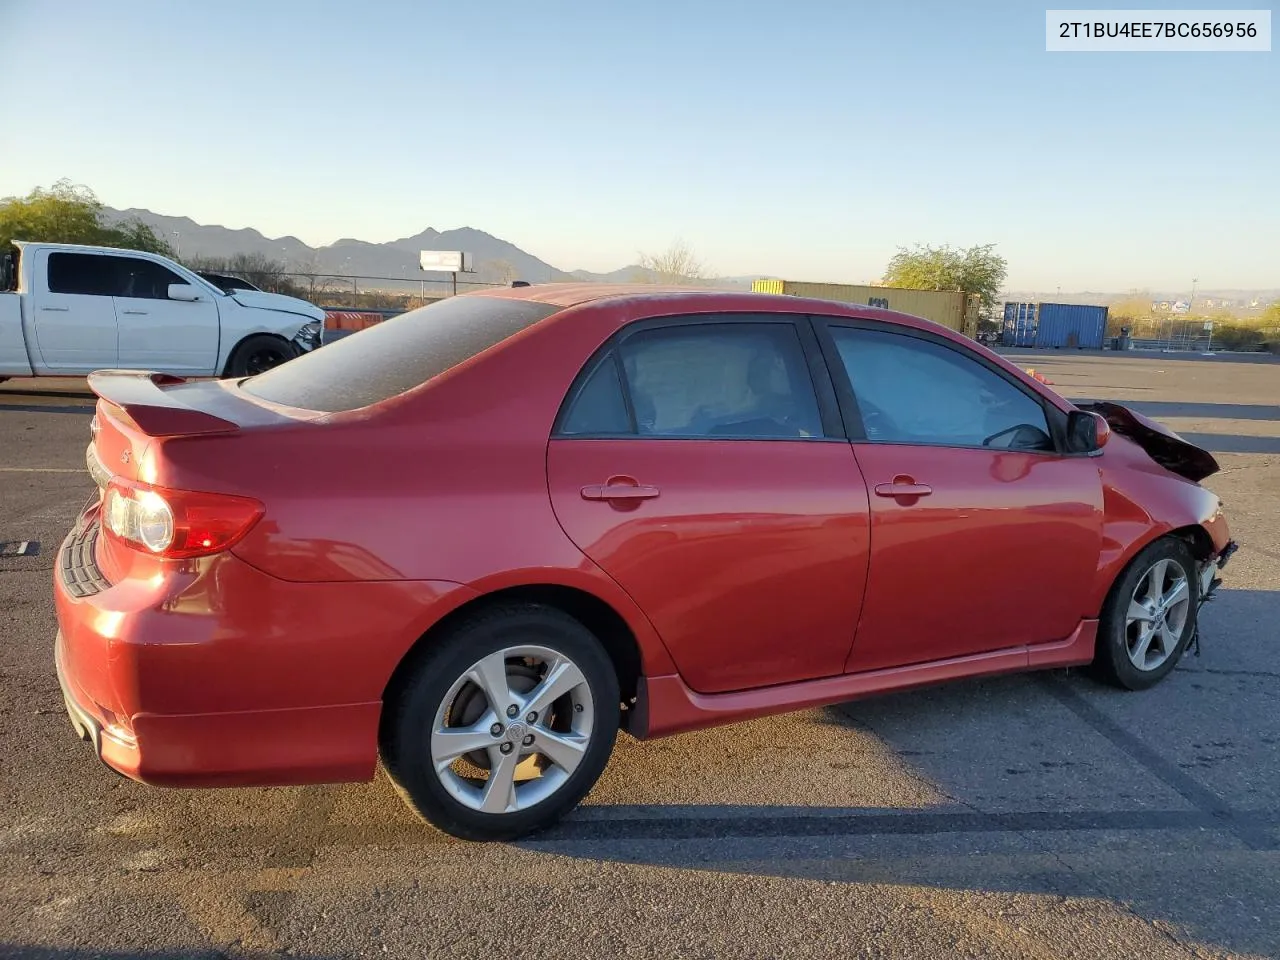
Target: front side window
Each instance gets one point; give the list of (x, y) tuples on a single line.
[(143, 279), (911, 390), (721, 380)]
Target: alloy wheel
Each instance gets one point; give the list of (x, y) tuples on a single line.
[(1157, 614), (512, 729)]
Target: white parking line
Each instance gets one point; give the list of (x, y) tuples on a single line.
[(42, 470)]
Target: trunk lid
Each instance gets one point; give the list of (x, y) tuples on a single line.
[(1160, 443), (137, 410)]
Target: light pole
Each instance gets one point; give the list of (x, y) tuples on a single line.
[(1192, 302)]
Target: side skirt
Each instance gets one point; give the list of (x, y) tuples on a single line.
[(665, 705)]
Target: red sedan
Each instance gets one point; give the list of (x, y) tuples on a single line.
[(478, 539)]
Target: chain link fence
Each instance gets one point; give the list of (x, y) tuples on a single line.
[(365, 292), (1192, 334)]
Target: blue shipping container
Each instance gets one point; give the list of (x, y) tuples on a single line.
[(1054, 325), (1019, 325)]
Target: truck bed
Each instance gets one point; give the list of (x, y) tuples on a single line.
[(13, 348)]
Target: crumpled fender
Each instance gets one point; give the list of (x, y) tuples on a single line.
[(1163, 445)]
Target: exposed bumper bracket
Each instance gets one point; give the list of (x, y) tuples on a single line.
[(86, 727)]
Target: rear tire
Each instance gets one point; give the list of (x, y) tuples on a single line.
[(463, 761), (1149, 617), (258, 354)]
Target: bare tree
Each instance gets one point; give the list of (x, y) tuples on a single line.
[(503, 270), (677, 265)]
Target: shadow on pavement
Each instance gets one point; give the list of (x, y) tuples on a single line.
[(1213, 442), (18, 951), (1205, 411), (1232, 442), (1019, 353)]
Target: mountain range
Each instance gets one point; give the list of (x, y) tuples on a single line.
[(495, 259)]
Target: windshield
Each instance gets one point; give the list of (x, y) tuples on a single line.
[(396, 355)]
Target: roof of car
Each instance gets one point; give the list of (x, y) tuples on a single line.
[(700, 299), (572, 294)]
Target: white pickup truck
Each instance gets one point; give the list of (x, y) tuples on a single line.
[(67, 310)]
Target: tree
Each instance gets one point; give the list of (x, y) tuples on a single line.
[(257, 268), (71, 213), (977, 271), (677, 265), (503, 270)]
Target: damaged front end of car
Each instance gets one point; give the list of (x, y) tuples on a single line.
[(1163, 445), (1186, 460)]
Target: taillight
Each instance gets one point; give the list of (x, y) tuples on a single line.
[(176, 524)]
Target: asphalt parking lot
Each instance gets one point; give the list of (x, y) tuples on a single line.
[(1031, 816)]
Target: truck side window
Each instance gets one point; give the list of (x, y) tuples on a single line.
[(143, 278), (85, 274), (100, 275)]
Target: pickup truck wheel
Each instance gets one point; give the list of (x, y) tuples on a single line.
[(257, 354)]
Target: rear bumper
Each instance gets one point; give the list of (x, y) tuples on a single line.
[(217, 674), (250, 748)]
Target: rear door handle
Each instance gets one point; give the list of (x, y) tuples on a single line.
[(903, 487), (619, 491), (56, 309), (136, 313)]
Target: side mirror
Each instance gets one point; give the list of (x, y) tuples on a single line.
[(183, 291), (1087, 432)]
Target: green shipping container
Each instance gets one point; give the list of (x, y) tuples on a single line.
[(949, 308)]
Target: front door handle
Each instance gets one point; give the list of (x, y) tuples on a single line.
[(56, 309), (903, 486), (618, 488), (136, 313)]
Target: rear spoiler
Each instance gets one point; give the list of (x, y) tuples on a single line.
[(142, 396), (1161, 444)]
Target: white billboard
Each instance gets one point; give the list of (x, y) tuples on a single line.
[(445, 261)]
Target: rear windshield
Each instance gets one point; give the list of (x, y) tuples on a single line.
[(396, 355)]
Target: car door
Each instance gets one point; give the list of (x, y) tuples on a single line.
[(700, 463), (73, 314), (983, 535), (157, 333)]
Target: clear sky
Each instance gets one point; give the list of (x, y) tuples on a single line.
[(805, 140)]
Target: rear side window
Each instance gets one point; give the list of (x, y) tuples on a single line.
[(599, 408), (84, 274), (721, 380), (396, 355), (707, 380)]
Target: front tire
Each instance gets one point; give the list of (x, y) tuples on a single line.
[(1149, 617), (258, 354), (502, 726)]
